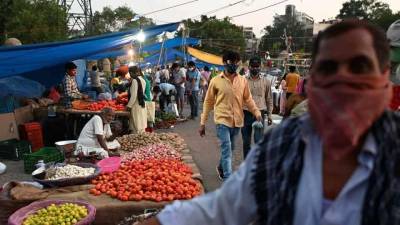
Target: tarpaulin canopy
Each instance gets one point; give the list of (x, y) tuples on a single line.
[(205, 57), (44, 62), (168, 44), (171, 43), (168, 56)]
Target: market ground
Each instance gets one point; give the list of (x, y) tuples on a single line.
[(205, 152)]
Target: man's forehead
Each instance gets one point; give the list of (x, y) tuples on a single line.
[(347, 45)]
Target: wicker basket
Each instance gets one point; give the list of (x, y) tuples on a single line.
[(18, 217), (70, 181)]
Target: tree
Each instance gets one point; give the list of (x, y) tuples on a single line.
[(33, 21), (117, 20), (273, 39), (216, 35), (374, 11)]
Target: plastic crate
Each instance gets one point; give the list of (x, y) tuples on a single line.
[(32, 132), (47, 154), (14, 150)]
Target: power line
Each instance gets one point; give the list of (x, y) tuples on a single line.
[(170, 7), (218, 9), (253, 11)]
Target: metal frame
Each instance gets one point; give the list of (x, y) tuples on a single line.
[(81, 20)]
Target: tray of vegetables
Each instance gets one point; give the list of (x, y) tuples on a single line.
[(58, 212), (60, 175)]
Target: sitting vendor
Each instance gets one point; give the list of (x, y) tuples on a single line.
[(96, 136), (70, 86)]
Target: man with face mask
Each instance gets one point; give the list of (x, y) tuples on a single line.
[(227, 94), (260, 88), (193, 87), (337, 165)]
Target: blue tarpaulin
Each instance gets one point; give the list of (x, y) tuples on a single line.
[(45, 62), (168, 44)]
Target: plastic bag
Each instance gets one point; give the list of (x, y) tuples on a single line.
[(258, 125)]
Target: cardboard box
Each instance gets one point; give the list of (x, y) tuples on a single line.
[(8, 126), (23, 114)]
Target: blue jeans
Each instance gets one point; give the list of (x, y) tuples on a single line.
[(194, 104), (247, 130), (226, 136)]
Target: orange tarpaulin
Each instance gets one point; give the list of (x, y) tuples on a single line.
[(204, 56)]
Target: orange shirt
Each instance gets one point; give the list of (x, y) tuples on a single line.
[(227, 99), (292, 80)]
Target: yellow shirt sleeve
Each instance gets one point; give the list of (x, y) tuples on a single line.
[(209, 102)]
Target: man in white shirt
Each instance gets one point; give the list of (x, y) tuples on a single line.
[(96, 135), (179, 75)]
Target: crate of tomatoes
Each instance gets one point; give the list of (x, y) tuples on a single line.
[(153, 180)]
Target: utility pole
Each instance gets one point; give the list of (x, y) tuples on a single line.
[(79, 16)]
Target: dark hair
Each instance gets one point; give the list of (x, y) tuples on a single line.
[(380, 42), (134, 71), (156, 89), (174, 65), (292, 69), (231, 56), (191, 63), (94, 67), (70, 66), (255, 61), (206, 68)]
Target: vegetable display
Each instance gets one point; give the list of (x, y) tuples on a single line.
[(156, 151), (68, 171), (133, 141), (63, 214), (96, 106), (153, 180)]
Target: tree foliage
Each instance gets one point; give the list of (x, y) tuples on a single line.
[(273, 39), (32, 21), (374, 11), (217, 35), (119, 19)]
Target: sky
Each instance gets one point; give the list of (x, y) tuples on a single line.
[(318, 9)]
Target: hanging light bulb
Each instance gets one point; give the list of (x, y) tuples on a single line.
[(131, 52), (141, 37)]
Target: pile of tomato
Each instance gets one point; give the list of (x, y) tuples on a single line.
[(153, 180), (97, 106)]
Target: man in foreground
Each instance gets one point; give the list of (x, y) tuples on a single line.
[(336, 165)]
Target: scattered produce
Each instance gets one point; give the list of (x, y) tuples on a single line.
[(68, 171), (154, 180), (133, 141), (63, 214), (156, 151)]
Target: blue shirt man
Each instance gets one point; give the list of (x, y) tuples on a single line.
[(193, 89)]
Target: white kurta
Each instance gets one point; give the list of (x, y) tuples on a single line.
[(138, 118)]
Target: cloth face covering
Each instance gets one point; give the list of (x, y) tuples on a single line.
[(343, 108), (231, 68)]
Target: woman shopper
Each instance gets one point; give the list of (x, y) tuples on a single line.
[(136, 104), (282, 101)]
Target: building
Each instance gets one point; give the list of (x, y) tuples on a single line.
[(252, 43), (321, 26), (306, 20)]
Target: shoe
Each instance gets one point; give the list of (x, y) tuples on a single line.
[(220, 173)]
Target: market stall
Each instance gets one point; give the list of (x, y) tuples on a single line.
[(156, 169)]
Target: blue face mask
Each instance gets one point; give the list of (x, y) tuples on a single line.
[(231, 68)]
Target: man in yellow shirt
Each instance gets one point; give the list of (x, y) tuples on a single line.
[(226, 95), (292, 80)]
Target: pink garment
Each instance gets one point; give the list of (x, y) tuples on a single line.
[(343, 108), (299, 89), (282, 101)]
